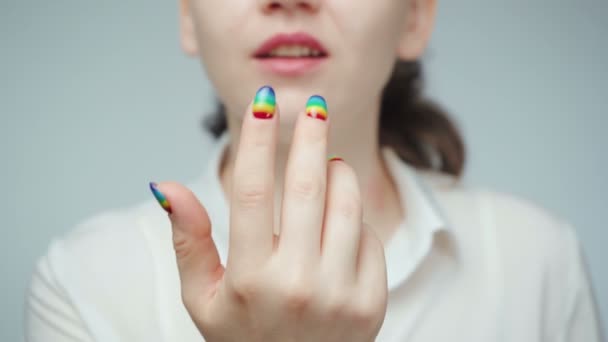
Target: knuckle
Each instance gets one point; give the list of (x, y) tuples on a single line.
[(366, 315), (187, 299), (191, 301), (206, 320), (296, 294), (307, 187), (252, 195), (244, 289), (297, 299), (349, 206), (337, 306), (185, 244), (369, 311), (181, 245)]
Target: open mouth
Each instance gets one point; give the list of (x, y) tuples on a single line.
[(293, 51), (291, 54)]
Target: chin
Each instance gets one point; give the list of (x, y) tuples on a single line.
[(289, 113), (292, 98)]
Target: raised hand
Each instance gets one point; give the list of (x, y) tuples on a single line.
[(322, 279)]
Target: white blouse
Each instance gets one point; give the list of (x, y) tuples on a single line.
[(467, 264)]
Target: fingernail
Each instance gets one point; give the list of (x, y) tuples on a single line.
[(162, 200), (264, 103), (334, 158), (316, 107)]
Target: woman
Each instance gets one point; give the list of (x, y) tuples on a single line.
[(277, 242)]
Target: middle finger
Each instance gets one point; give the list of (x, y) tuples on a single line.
[(303, 203)]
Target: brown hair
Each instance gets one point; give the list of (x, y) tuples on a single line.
[(417, 129)]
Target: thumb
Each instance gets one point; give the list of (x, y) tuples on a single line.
[(198, 261)]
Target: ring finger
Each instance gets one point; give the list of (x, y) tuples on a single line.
[(343, 222)]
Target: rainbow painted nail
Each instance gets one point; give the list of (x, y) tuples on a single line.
[(264, 103), (334, 158), (162, 200), (316, 107)]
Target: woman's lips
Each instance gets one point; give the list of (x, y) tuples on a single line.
[(290, 66)]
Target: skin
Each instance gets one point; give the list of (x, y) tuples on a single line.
[(302, 264)]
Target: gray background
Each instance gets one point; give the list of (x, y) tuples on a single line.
[(96, 99)]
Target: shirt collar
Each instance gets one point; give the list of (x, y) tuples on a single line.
[(412, 240), (405, 250), (418, 202)]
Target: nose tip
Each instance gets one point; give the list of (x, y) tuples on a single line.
[(274, 5)]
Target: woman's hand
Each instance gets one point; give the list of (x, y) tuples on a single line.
[(322, 279)]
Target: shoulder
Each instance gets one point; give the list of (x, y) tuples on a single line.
[(494, 207), (112, 235), (513, 223), (104, 268), (531, 252)]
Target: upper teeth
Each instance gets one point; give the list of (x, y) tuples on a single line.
[(294, 51)]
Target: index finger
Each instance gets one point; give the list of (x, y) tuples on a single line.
[(252, 199)]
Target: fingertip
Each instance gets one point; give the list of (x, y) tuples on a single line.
[(160, 197), (264, 103), (316, 107), (179, 201)]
